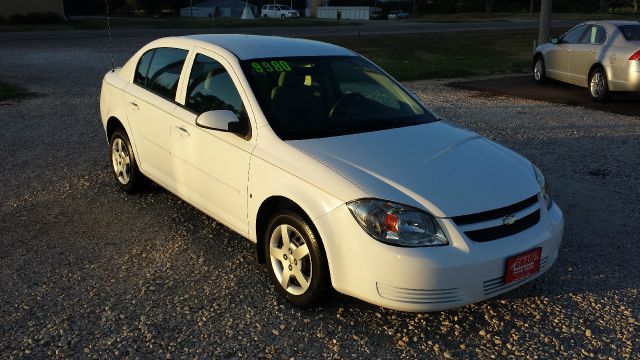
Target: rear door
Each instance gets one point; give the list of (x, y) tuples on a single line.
[(150, 101), (586, 53)]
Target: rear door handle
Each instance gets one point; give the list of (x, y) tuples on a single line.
[(183, 131), (134, 105)]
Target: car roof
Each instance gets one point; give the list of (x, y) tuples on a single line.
[(614, 22), (257, 46)]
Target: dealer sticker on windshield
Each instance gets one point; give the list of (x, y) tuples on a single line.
[(270, 66), (522, 266)]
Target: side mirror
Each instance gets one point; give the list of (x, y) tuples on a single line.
[(555, 41), (222, 120)]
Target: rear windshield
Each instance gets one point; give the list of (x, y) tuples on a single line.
[(311, 97), (630, 32)]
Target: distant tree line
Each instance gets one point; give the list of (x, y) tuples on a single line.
[(168, 7)]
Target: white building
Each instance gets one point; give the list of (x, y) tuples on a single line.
[(218, 8)]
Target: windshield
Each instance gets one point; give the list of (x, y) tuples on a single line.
[(630, 32), (312, 97)]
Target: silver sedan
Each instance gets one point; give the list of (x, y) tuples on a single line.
[(601, 55)]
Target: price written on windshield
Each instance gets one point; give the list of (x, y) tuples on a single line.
[(270, 66)]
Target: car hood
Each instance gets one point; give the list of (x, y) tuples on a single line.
[(444, 169)]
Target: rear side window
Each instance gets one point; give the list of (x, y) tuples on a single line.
[(164, 71), (140, 76), (596, 34), (211, 88), (630, 32)]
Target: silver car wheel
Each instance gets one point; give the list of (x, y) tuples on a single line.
[(290, 259), (538, 69), (597, 84), (121, 161)]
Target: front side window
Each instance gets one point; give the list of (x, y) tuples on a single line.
[(211, 88), (164, 71), (311, 97), (574, 35)]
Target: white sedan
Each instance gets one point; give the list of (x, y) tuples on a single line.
[(603, 56), (342, 178)]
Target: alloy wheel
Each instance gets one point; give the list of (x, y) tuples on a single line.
[(537, 70), (290, 259), (121, 161), (597, 84)]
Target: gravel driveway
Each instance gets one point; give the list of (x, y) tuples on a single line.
[(87, 271)]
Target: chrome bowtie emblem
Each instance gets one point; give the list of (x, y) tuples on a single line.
[(509, 220)]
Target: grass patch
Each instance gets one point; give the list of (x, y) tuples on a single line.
[(446, 55), (9, 91), (173, 23)]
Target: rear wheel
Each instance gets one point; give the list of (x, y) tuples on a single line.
[(539, 70), (599, 85), (265, 16), (295, 259), (124, 164)]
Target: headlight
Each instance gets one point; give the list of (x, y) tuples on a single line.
[(396, 224), (544, 187)]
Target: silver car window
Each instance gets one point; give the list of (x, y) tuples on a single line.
[(595, 34), (630, 32), (574, 35)]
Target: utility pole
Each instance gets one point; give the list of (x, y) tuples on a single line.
[(545, 22), (531, 7)]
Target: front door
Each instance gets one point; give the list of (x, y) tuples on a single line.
[(213, 165), (559, 56)]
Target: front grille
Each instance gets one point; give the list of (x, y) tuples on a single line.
[(501, 231), (496, 213)]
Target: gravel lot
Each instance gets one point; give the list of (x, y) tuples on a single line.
[(87, 271)]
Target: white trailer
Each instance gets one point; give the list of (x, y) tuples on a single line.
[(345, 12)]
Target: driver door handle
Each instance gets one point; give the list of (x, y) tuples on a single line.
[(134, 105), (183, 131)]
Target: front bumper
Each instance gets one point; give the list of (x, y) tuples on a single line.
[(429, 278)]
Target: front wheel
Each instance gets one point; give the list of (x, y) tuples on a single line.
[(539, 71), (282, 16), (599, 85), (295, 259)]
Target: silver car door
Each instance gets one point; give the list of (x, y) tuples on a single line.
[(585, 54), (559, 56)]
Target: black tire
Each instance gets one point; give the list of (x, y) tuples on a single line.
[(282, 16), (265, 16), (539, 70), (599, 84), (314, 263), (134, 179)]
